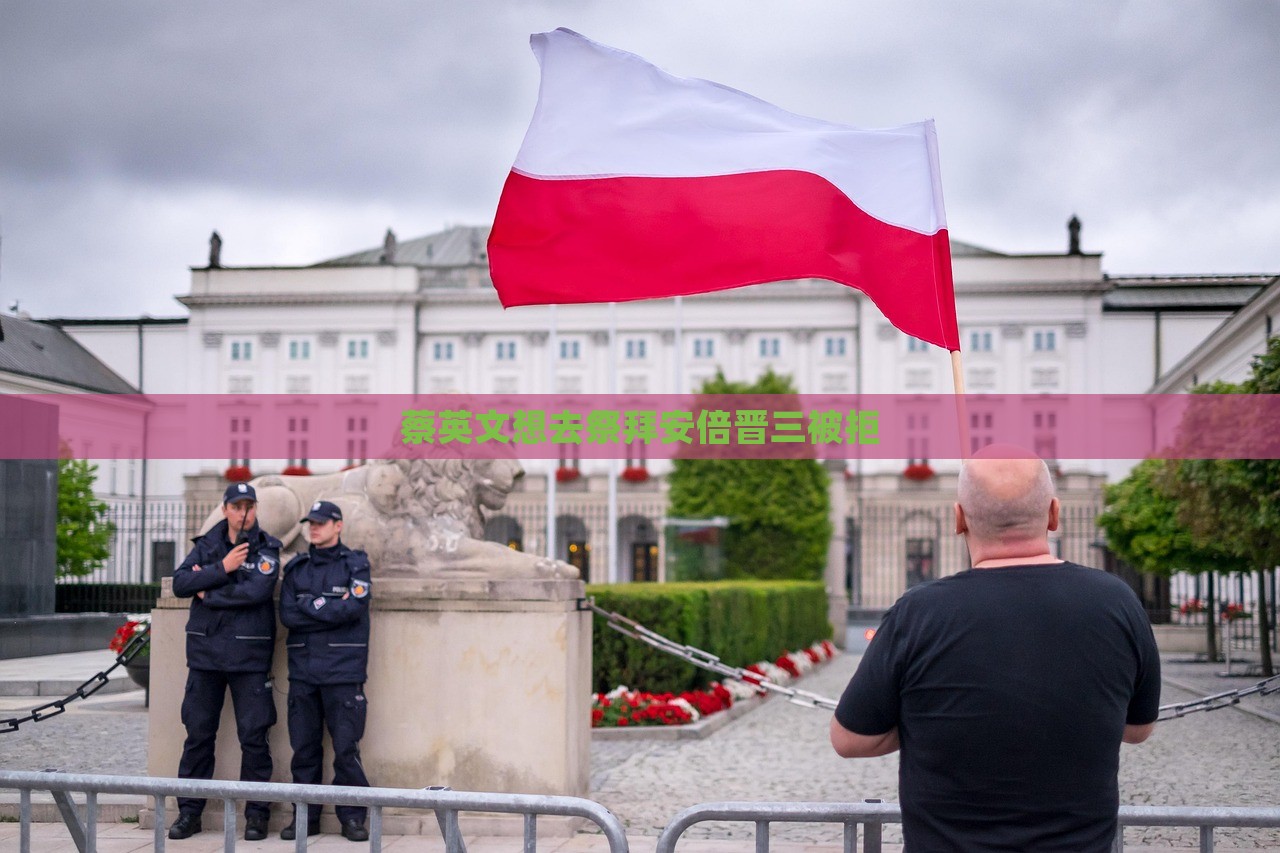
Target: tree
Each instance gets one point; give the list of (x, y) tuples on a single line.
[(83, 529), (1143, 529), (1237, 501), (778, 508)]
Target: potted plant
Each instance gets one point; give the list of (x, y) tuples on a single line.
[(1191, 607), (565, 474), (238, 474), (1232, 612), (635, 474), (296, 471), (918, 471), (138, 666)]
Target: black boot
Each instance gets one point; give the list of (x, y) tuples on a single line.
[(185, 826), (290, 832), (353, 830)]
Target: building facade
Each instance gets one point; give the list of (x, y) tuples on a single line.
[(422, 317)]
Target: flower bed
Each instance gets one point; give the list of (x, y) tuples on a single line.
[(626, 708), (133, 626)]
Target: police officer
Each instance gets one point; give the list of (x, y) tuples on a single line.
[(230, 577), (324, 602)]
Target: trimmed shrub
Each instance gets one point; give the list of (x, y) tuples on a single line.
[(741, 622)]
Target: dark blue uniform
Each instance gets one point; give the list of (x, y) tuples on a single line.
[(324, 602), (231, 635)]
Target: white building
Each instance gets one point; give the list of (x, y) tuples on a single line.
[(421, 317)]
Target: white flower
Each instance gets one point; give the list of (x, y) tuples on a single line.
[(801, 660), (683, 704), (740, 689), (620, 691)]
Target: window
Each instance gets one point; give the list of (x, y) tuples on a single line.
[(505, 350), (358, 348), (505, 385), (635, 348), (297, 442), (917, 437), (770, 347), (442, 351), (981, 430), (980, 341), (1044, 340), (357, 440), (299, 350), (834, 347), (916, 345), (1044, 429), (239, 428), (704, 348), (356, 383), (242, 350), (570, 350)]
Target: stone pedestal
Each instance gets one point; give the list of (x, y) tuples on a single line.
[(481, 685)]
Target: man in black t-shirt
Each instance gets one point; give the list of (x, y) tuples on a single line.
[(1008, 687)]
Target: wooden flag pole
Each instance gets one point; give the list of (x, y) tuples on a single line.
[(962, 413)]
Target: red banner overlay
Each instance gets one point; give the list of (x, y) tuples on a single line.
[(237, 427)]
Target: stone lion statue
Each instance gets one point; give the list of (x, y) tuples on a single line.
[(414, 517)]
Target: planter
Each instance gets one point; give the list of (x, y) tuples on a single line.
[(139, 670)]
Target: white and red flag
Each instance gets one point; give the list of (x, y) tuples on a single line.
[(635, 184)]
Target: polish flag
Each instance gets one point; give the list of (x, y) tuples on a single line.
[(634, 184)]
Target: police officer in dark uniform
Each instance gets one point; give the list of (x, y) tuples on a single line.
[(324, 602), (230, 577)]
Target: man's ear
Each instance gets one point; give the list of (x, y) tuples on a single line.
[(962, 525), (1055, 509)]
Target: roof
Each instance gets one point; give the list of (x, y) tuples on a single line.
[(465, 245), (1182, 292), (40, 351), (459, 246)]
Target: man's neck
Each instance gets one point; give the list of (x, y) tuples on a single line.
[(1030, 560)]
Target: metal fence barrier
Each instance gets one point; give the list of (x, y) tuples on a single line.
[(445, 803), (872, 815)]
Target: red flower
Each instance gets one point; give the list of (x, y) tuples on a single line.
[(565, 475), (918, 471), (297, 471), (635, 474), (789, 665), (237, 474), (1234, 611)]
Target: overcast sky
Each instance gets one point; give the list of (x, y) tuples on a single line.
[(303, 130)]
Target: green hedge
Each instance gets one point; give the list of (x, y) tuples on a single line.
[(741, 622)]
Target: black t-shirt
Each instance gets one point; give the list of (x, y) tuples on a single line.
[(1010, 689)]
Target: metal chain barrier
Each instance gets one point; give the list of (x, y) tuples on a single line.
[(132, 649), (711, 663), (705, 660), (1218, 700)]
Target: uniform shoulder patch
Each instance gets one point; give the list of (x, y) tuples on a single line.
[(359, 588), (318, 603), (267, 564)]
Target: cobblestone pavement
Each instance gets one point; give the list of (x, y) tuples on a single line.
[(778, 752), (781, 752)]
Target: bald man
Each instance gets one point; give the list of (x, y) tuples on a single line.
[(1009, 687)]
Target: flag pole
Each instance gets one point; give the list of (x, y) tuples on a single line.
[(615, 564), (962, 413), (551, 463)]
